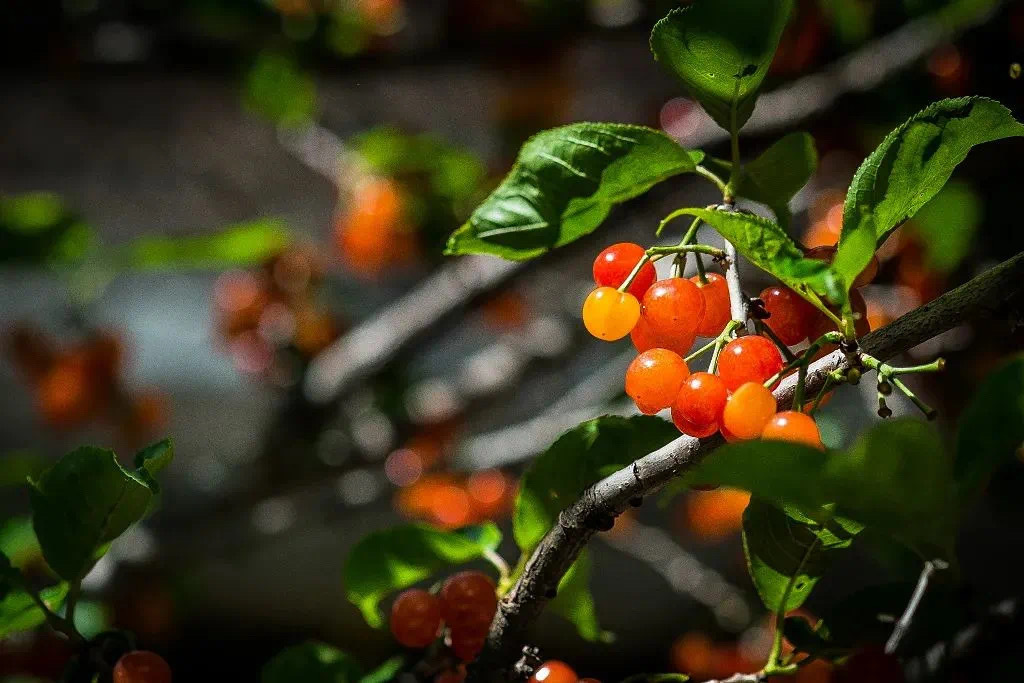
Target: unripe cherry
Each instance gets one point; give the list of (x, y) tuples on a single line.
[(609, 314), (748, 410), (795, 427)]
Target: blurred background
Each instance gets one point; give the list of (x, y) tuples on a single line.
[(222, 221)]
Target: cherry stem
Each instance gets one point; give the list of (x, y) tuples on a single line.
[(62, 625), (830, 380), (504, 571), (686, 248), (717, 343), (764, 329), (700, 269), (805, 357), (888, 372), (719, 183)]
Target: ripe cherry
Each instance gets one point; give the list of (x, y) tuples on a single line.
[(468, 643), (653, 379), (673, 307), (609, 314), (456, 675), (142, 666), (644, 339), (613, 265), (716, 304), (790, 425), (469, 601), (415, 618), (748, 410), (827, 253), (701, 399), (791, 314), (692, 429), (748, 359), (554, 671)]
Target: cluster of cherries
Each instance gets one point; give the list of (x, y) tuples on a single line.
[(465, 606), (664, 317)]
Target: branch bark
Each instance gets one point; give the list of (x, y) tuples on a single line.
[(994, 291)]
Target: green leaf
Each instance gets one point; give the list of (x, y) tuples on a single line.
[(814, 641), (152, 459), (579, 458), (83, 503), (279, 90), (237, 245), (765, 244), (18, 542), (721, 50), (38, 228), (657, 678), (946, 226), (575, 602), (991, 428), (774, 178), (18, 611), (909, 168), (17, 466), (787, 552), (311, 662), (389, 560), (896, 478), (385, 672), (563, 185)]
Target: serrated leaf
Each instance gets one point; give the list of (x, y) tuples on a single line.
[(311, 662), (991, 429), (575, 602), (765, 244), (896, 478), (721, 50), (774, 178), (579, 458), (563, 185), (787, 552), (389, 560), (19, 612), (909, 168), (81, 504), (243, 244)]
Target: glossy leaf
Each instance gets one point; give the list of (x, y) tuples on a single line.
[(563, 185), (579, 458), (991, 428), (896, 478), (575, 603), (765, 244), (389, 560), (721, 50), (311, 662), (787, 552), (909, 168), (19, 612), (81, 504), (243, 244), (782, 170)]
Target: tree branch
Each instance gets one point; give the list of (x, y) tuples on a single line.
[(991, 292), (903, 625)]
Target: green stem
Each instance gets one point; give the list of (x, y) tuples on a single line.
[(719, 183), (671, 217), (938, 365), (772, 667), (829, 381), (720, 341), (805, 357), (646, 258), (691, 232), (504, 571), (890, 373), (701, 351), (687, 248), (57, 623), (700, 269)]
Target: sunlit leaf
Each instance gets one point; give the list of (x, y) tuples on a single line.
[(575, 602), (19, 612), (386, 672), (563, 185), (243, 244), (389, 560), (37, 228), (721, 50)]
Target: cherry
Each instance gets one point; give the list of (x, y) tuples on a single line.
[(790, 425), (827, 253), (653, 379), (791, 315), (142, 666), (748, 359), (691, 429), (415, 618), (644, 339), (870, 664), (748, 410), (609, 314), (613, 265), (700, 400), (716, 304), (469, 601), (673, 307), (467, 643), (554, 671)]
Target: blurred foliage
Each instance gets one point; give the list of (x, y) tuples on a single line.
[(946, 226), (236, 245), (276, 88), (38, 228)]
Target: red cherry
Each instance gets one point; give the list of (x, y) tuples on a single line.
[(716, 304), (613, 265), (791, 315), (673, 307), (701, 399), (467, 643), (644, 339), (142, 666), (748, 359), (554, 671), (790, 425), (469, 600), (653, 379), (415, 618), (691, 429)]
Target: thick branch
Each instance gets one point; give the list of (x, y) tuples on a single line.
[(991, 292)]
